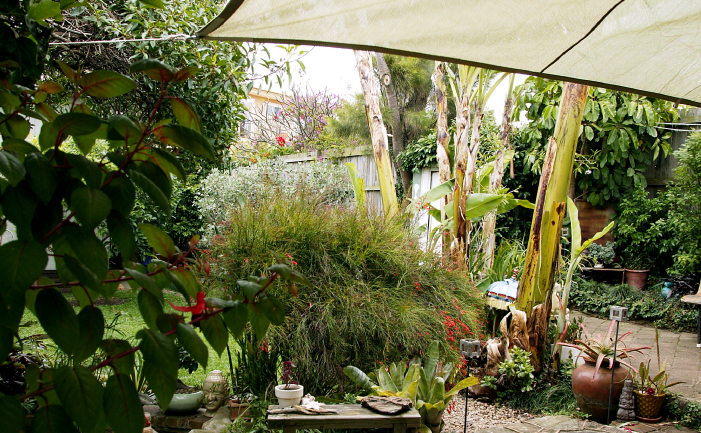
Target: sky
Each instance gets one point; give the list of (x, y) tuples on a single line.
[(334, 69)]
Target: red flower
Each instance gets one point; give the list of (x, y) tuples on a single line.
[(196, 310)]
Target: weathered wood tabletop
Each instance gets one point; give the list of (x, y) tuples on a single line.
[(349, 416), (696, 300)]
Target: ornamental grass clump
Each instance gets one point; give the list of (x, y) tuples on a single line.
[(376, 295)]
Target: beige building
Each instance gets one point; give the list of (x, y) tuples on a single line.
[(262, 109)]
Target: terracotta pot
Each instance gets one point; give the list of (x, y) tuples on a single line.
[(237, 409), (636, 278), (649, 406), (592, 392)]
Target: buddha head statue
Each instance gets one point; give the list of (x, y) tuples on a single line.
[(215, 389)]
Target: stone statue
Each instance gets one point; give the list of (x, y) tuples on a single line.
[(626, 410), (216, 391)]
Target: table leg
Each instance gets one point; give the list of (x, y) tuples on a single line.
[(400, 428), (289, 429), (698, 337)]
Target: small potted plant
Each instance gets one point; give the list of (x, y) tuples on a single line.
[(591, 381), (290, 393), (603, 254), (651, 392)]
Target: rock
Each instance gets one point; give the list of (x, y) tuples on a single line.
[(146, 400), (388, 405), (219, 421), (479, 416)]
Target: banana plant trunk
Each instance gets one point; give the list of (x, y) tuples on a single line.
[(397, 123), (490, 220), (542, 257), (442, 138), (378, 133)]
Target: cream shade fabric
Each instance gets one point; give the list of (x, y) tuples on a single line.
[(651, 47)]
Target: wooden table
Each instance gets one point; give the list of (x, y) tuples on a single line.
[(349, 416), (695, 300)]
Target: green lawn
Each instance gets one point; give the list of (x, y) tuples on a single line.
[(128, 322)]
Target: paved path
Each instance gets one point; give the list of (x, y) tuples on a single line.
[(679, 349), (562, 424)]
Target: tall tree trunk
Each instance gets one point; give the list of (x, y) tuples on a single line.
[(442, 137), (490, 220), (397, 123), (541, 258), (378, 133), (462, 149)]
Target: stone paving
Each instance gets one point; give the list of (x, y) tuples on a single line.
[(565, 424), (679, 349)]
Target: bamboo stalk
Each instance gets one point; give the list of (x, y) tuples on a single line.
[(378, 133)]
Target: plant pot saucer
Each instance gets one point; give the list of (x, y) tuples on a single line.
[(649, 420)]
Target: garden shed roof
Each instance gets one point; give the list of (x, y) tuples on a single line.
[(649, 47)]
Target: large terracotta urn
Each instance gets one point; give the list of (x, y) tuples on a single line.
[(592, 391)]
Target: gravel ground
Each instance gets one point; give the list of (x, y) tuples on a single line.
[(479, 416)]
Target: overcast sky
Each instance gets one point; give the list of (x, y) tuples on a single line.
[(334, 69)]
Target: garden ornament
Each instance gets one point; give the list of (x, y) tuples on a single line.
[(502, 293), (618, 314), (626, 407), (469, 349), (216, 390)]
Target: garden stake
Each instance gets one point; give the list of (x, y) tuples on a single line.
[(469, 349), (231, 366), (467, 396), (617, 313)]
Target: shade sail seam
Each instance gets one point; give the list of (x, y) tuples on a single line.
[(596, 25)]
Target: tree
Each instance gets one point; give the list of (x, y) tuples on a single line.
[(57, 199)]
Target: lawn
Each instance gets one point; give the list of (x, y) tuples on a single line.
[(126, 320)]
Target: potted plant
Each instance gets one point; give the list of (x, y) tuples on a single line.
[(186, 399), (602, 254), (637, 264), (651, 392), (289, 394), (591, 384)]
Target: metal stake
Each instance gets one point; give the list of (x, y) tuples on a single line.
[(613, 367), (467, 395)]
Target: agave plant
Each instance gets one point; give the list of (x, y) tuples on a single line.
[(423, 384), (598, 349)]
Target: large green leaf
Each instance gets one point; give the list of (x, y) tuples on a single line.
[(91, 206), (123, 128), (121, 193), (259, 321), (6, 340), (42, 10), (49, 136), (146, 282), (122, 406), (16, 127), (19, 146), (156, 4), (169, 163), (92, 327), (154, 182), (88, 249), (478, 205), (159, 240), (106, 84), (188, 338), (160, 364), (11, 167), (19, 204), (575, 226), (76, 123), (42, 178), (189, 139), (150, 308), (12, 414), (88, 170), (21, 263), (236, 318), (81, 395), (440, 191), (52, 419), (122, 234), (153, 68), (215, 332), (359, 377), (273, 309), (58, 319), (124, 364), (186, 114), (81, 273)]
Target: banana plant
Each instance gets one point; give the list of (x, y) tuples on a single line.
[(576, 250), (423, 384), (358, 185)]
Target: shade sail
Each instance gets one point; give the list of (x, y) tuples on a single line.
[(650, 47)]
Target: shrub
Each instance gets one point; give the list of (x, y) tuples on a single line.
[(221, 191), (596, 298), (684, 217), (376, 295)]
